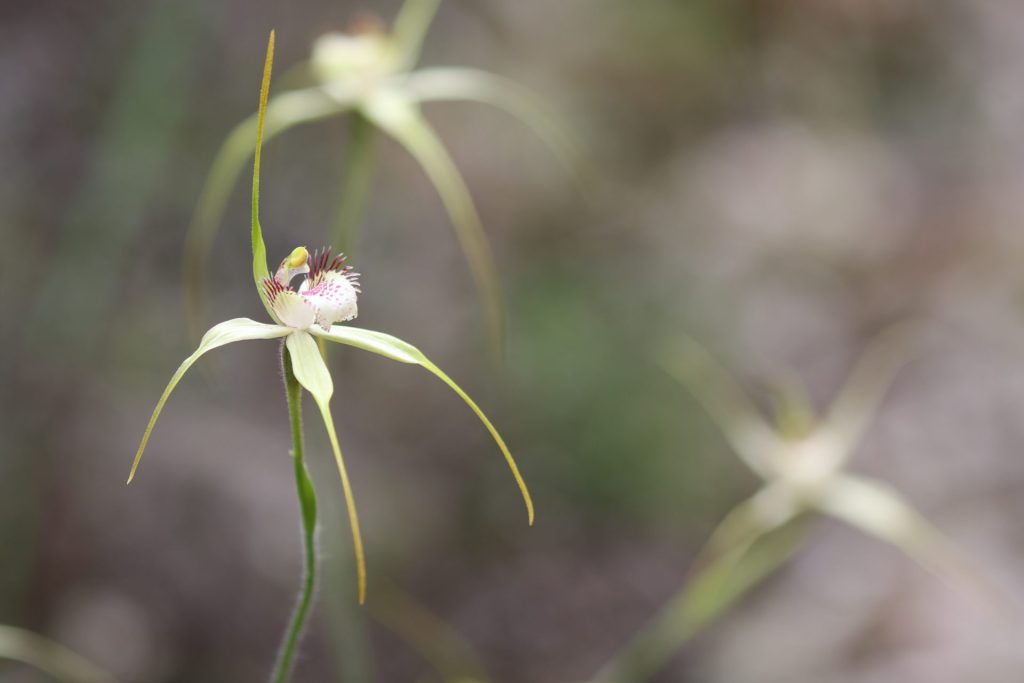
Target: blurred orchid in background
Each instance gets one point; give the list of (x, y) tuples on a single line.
[(801, 460), (368, 72)]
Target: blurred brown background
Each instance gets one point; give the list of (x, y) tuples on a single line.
[(779, 179)]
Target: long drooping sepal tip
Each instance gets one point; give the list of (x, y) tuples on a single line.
[(138, 455), (523, 490)]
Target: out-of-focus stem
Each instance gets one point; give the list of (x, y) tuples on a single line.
[(356, 182)]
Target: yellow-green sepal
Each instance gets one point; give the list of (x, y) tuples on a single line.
[(404, 352), (260, 271)]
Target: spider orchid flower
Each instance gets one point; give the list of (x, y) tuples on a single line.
[(326, 295), (369, 72), (355, 61), (802, 461)]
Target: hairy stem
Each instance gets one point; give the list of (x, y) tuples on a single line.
[(307, 504)]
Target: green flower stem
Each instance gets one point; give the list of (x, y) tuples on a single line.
[(307, 503), (355, 186)]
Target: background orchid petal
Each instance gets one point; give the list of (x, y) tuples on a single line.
[(410, 28), (313, 375), (870, 378), (744, 428), (456, 83), (881, 511), (401, 118), (404, 352), (237, 329)]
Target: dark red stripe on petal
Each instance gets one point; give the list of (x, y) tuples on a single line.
[(322, 262)]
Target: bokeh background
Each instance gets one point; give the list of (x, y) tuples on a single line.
[(779, 179)]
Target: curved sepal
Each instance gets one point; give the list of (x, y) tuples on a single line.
[(238, 329), (312, 373), (404, 352), (401, 118)]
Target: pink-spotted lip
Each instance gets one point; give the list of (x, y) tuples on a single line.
[(327, 294)]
